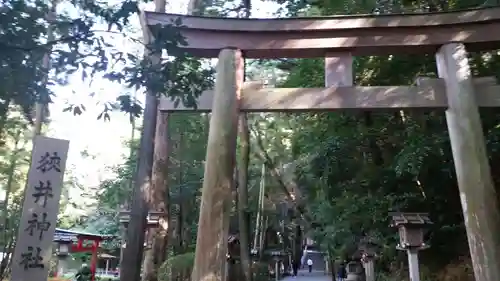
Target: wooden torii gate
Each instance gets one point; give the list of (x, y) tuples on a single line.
[(338, 39)]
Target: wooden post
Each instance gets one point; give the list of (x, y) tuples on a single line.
[(477, 192), (94, 259), (338, 72), (338, 69), (31, 260), (213, 226)]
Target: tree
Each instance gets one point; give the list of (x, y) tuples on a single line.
[(14, 157), (365, 164)]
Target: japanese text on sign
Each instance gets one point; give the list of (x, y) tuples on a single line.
[(40, 209), (32, 258), (38, 225), (49, 162), (43, 191)]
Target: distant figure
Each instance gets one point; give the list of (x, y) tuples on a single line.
[(342, 272), (295, 267), (310, 264)]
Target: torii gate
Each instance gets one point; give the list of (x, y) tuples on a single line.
[(66, 239), (338, 39)]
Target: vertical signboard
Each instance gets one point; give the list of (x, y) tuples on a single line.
[(31, 260)]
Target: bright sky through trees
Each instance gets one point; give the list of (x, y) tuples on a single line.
[(104, 140)]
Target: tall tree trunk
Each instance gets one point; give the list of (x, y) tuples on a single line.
[(243, 213), (4, 113), (159, 201), (257, 245), (263, 234), (10, 179), (180, 215), (174, 241), (6, 223), (132, 257), (297, 246), (176, 218), (42, 102), (7, 260), (242, 202), (331, 261), (125, 205), (180, 180)]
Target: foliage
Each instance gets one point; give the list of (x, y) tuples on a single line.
[(360, 166), (78, 45), (188, 138), (84, 274), (44, 45), (182, 262), (260, 271), (351, 168)]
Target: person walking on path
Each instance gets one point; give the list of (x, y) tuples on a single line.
[(310, 264), (342, 272), (295, 266)]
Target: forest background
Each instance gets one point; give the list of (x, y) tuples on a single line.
[(350, 168)]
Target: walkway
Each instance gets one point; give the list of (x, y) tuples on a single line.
[(304, 275)]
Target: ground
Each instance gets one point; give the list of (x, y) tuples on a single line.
[(315, 275)]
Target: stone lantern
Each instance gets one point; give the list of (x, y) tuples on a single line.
[(354, 270), (277, 258), (153, 221), (368, 251), (412, 227), (63, 247), (62, 252)]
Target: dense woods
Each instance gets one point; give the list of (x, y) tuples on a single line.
[(337, 174)]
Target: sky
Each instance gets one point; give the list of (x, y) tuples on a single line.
[(104, 141)]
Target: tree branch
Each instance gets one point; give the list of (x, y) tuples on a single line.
[(276, 173), (269, 163), (63, 39)]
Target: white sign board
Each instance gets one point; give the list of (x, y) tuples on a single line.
[(31, 260)]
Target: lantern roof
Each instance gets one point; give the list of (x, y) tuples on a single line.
[(275, 252), (405, 219)]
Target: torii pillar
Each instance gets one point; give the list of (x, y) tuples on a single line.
[(477, 192), (213, 226)]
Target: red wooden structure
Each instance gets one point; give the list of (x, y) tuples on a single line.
[(78, 242)]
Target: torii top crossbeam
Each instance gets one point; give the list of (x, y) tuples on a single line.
[(358, 35)]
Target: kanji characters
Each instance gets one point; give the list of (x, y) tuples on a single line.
[(32, 258), (43, 191), (38, 224), (49, 162)]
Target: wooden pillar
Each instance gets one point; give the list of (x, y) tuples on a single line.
[(338, 73), (213, 225), (94, 259), (338, 69), (477, 192)]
